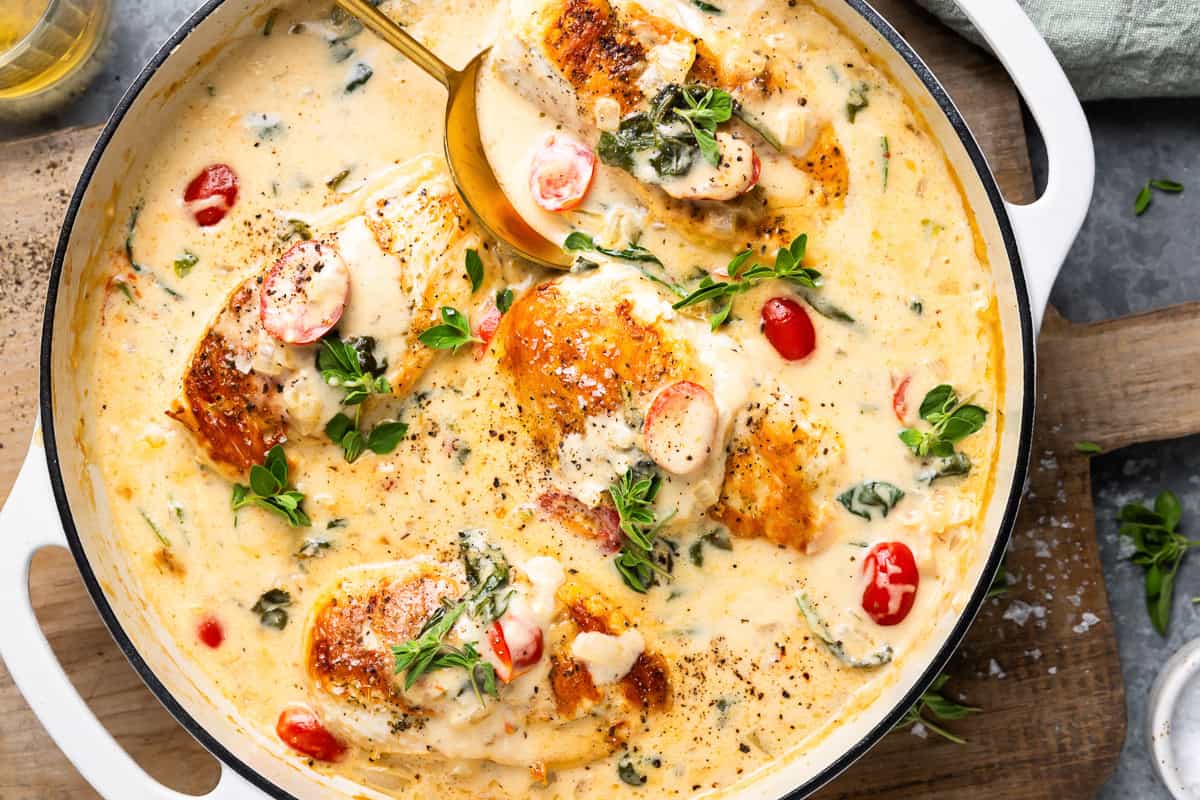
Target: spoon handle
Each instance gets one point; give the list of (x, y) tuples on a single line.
[(380, 24)]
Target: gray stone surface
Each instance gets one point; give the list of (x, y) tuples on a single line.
[(1120, 265)]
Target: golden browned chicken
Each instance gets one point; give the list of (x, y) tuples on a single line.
[(391, 256), (778, 463), (535, 716)]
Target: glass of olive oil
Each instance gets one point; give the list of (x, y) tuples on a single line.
[(48, 52)]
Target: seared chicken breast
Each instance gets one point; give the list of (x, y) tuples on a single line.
[(402, 241), (538, 716)]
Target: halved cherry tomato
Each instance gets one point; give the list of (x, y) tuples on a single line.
[(486, 328), (517, 645), (788, 328), (300, 730), (900, 398), (680, 427), (503, 662), (524, 640), (561, 173), (210, 632), (892, 579), (305, 293), (211, 194)]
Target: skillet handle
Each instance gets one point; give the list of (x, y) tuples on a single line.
[(29, 521), (1045, 229)]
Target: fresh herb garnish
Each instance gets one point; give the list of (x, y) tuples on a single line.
[(633, 496), (703, 115), (429, 653), (487, 573), (474, 269), (360, 73), (578, 241), (350, 365), (452, 334), (671, 148), (835, 646), (707, 8), (185, 262), (381, 439), (789, 266), (940, 707), (1160, 549), (504, 299), (718, 539), (1146, 195), (857, 101), (269, 25), (1090, 448), (269, 489), (952, 420), (271, 609), (868, 497)]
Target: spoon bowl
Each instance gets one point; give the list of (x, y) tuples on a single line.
[(469, 166)]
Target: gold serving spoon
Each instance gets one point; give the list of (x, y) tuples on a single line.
[(469, 166)]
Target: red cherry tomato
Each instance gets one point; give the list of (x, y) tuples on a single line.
[(524, 639), (211, 194), (892, 579), (300, 730), (516, 644), (900, 398), (486, 328), (503, 662), (561, 173), (210, 631), (788, 328)]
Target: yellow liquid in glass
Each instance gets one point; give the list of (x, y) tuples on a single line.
[(65, 34), (17, 18)]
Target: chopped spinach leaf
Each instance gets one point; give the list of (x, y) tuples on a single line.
[(271, 608), (835, 646), (360, 73), (871, 497)]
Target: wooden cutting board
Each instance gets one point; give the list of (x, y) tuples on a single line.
[(1054, 717)]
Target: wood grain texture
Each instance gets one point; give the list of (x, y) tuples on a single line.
[(1043, 735)]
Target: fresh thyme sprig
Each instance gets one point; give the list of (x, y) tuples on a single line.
[(269, 489), (633, 496), (351, 366), (940, 707), (428, 652), (1160, 549), (788, 266)]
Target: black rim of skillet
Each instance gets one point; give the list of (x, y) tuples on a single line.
[(827, 774)]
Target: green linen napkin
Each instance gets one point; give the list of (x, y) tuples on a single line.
[(1113, 48)]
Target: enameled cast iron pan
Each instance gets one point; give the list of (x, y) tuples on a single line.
[(56, 502)]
